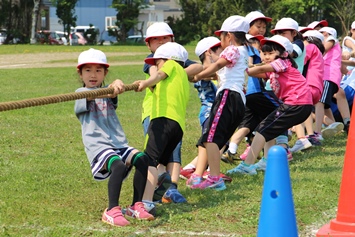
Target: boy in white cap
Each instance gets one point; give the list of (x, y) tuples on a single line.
[(258, 22), (106, 145), (290, 86), (157, 35), (170, 93), (229, 106)]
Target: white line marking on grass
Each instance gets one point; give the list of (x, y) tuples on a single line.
[(13, 65), (186, 233)]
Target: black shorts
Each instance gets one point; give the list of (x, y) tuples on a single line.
[(163, 135), (283, 118), (226, 114), (329, 89), (258, 106)]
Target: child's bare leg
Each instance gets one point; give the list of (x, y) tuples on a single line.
[(309, 125), (193, 163), (267, 146), (319, 107), (299, 129), (237, 138), (255, 148), (201, 161), (213, 156), (174, 170), (152, 180), (343, 105), (328, 113)]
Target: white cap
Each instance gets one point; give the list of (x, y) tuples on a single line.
[(303, 29), (92, 56), (314, 33), (283, 41), (285, 23), (234, 24), (353, 25), (314, 24), (256, 15), (158, 29), (330, 31), (258, 37), (205, 44), (169, 50)]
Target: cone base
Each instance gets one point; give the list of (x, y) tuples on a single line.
[(326, 231)]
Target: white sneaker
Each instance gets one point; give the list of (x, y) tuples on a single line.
[(301, 144), (261, 165), (337, 126), (332, 129), (149, 207)]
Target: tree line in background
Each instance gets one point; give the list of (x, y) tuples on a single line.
[(200, 19), (203, 17)]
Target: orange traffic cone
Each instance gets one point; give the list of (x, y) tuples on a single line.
[(344, 224)]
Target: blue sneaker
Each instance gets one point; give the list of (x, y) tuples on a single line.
[(261, 165), (164, 182), (173, 195), (210, 183), (243, 168)]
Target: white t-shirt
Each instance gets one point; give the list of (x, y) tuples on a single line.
[(232, 76)]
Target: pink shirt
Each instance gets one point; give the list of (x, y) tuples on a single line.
[(332, 64), (315, 71), (289, 84)]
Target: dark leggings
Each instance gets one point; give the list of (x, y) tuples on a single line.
[(118, 172)]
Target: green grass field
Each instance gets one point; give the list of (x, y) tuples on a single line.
[(46, 188)]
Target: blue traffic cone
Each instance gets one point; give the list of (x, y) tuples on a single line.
[(277, 212)]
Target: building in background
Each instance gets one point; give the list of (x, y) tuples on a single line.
[(103, 16)]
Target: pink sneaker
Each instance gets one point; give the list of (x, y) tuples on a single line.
[(217, 184), (114, 217), (185, 174), (289, 154), (245, 153), (139, 212), (221, 175)]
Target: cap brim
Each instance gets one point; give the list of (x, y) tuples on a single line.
[(150, 61), (147, 39), (264, 41), (323, 23), (216, 45), (274, 30), (218, 32), (267, 19), (305, 29), (259, 37), (81, 64)]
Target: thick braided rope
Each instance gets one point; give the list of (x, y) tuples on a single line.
[(11, 105)]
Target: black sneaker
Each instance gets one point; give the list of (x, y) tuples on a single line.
[(346, 127), (314, 140)]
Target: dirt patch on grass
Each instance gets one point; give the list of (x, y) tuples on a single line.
[(46, 60)]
